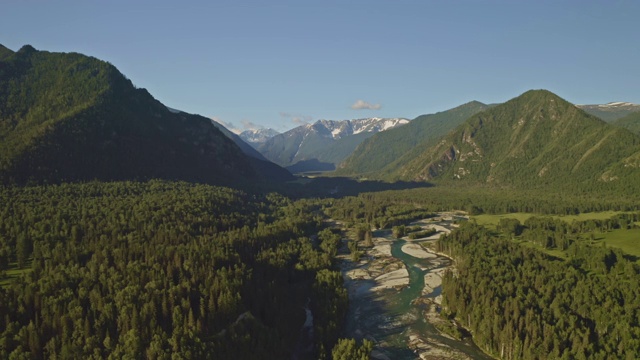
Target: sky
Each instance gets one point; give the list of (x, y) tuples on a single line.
[(280, 64)]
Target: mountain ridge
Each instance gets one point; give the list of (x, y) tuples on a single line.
[(71, 117), (376, 154), (256, 137), (324, 142), (611, 111), (536, 139)]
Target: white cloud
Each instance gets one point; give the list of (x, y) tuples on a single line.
[(229, 125), (361, 104), (248, 125), (244, 125), (297, 119)]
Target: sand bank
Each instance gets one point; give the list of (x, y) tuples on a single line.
[(417, 251), (392, 279)]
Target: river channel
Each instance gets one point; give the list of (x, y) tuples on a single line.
[(399, 314)]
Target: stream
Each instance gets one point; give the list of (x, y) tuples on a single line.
[(399, 319)]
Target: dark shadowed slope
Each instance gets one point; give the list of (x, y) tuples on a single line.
[(70, 117)]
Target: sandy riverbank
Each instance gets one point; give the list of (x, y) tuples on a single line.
[(382, 247), (393, 279), (379, 276), (431, 349), (432, 280), (378, 265), (417, 251)]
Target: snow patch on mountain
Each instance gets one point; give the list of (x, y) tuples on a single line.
[(342, 128), (258, 136), (617, 104)]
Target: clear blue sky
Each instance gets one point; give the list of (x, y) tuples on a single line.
[(275, 63)]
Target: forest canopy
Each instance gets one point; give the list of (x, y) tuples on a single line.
[(162, 270)]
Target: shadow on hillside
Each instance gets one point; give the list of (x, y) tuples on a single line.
[(337, 187), (311, 165)]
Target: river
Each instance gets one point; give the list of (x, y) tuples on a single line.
[(400, 317)]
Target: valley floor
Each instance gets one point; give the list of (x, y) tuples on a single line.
[(395, 298)]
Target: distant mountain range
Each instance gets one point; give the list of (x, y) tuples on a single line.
[(611, 111), (257, 137), (70, 117), (534, 140), (323, 144)]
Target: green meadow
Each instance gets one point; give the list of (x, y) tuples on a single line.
[(491, 221), (626, 240)]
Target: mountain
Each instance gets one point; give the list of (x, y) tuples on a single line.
[(325, 143), (534, 140), (611, 111), (630, 122), (383, 149), (246, 148), (70, 117), (257, 137), (4, 52)]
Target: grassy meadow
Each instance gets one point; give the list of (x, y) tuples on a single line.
[(626, 240)]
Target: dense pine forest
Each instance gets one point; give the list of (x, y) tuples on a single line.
[(163, 270), (522, 303)]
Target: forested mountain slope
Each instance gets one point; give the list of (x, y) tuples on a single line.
[(534, 140), (68, 117), (383, 149), (630, 122)]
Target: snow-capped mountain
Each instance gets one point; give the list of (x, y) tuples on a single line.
[(256, 137), (342, 128), (611, 111), (323, 144)]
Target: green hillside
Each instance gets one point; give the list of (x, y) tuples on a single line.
[(534, 140), (630, 122), (324, 157), (381, 150), (343, 147), (282, 149), (68, 117)]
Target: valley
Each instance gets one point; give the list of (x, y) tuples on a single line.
[(129, 229), (399, 309)]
